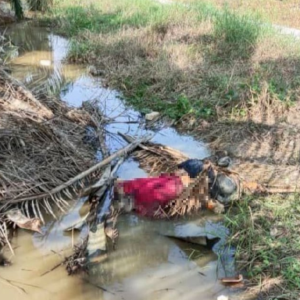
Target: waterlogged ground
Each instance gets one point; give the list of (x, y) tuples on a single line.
[(146, 264)]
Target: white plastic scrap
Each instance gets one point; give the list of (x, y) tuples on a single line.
[(222, 297)]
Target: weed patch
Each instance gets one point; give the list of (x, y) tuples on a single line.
[(266, 237), (236, 35), (279, 12)]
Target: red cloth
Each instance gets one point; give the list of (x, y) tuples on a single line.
[(149, 193)]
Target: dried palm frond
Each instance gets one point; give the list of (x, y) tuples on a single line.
[(4, 235), (156, 158), (44, 161), (195, 196), (38, 152), (35, 159), (18, 219), (192, 199)]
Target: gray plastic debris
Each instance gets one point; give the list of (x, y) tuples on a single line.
[(211, 233)]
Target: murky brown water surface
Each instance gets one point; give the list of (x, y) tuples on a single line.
[(146, 264)]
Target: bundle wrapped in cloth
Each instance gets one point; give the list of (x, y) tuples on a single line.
[(146, 195), (194, 185)]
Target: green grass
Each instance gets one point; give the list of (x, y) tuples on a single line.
[(180, 60), (267, 243), (98, 18), (238, 34), (278, 12)]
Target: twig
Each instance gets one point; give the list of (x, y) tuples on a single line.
[(251, 215), (3, 229), (52, 269), (98, 286), (21, 88), (9, 283)]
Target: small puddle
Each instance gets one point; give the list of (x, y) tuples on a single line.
[(146, 264)]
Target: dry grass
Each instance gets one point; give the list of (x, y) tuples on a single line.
[(201, 60), (280, 12), (196, 63)]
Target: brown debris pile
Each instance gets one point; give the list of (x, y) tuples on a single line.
[(78, 260), (102, 230), (41, 148), (156, 159), (193, 198)]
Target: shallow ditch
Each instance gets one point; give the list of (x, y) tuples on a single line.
[(145, 265)]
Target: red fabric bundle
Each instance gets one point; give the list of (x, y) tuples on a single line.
[(149, 193)]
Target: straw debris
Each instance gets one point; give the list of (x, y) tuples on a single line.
[(41, 148)]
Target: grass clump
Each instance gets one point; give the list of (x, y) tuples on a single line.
[(265, 234), (237, 34), (279, 12)]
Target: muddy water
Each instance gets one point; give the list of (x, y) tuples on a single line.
[(146, 264)]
